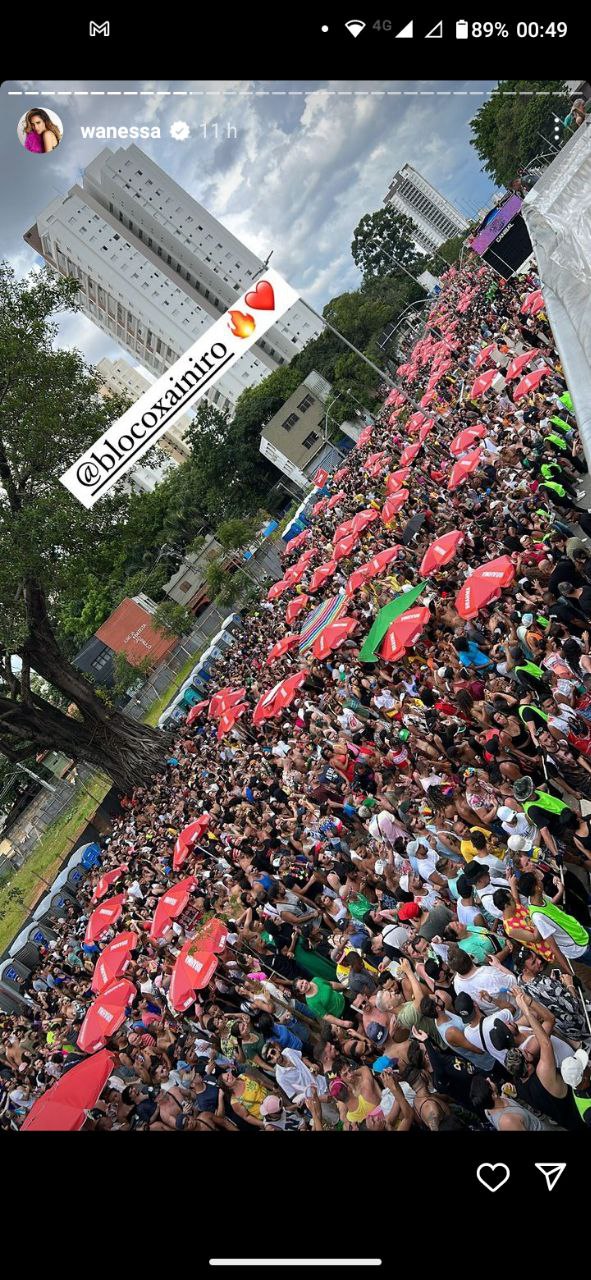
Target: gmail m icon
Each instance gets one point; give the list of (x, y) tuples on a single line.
[(99, 28)]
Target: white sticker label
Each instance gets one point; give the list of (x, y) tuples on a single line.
[(187, 380)]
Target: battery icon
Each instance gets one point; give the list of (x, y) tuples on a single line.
[(462, 32)]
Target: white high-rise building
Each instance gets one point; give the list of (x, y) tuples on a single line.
[(120, 376), (156, 269), (435, 218)]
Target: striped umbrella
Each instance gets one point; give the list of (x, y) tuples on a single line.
[(320, 618)]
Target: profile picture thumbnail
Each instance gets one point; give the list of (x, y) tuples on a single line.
[(40, 130)]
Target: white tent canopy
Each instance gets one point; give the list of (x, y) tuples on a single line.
[(558, 215)]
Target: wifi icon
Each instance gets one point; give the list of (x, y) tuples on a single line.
[(355, 27)]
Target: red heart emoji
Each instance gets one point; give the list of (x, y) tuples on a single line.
[(262, 298)]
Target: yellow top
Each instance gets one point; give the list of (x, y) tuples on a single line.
[(362, 1111)]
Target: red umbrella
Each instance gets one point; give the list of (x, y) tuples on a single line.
[(382, 559), (466, 438), (531, 381), (415, 422), (229, 718), (107, 880), (287, 691), (394, 417), (484, 355), (196, 710), (171, 904), (212, 936), (318, 507), (425, 429), (333, 636), (364, 437), (223, 701), (264, 706), (393, 505), (409, 454), (484, 585), (342, 530), (103, 917), (187, 838), (340, 474), (363, 518), (64, 1107), (518, 363), (336, 498), (299, 539), (375, 461), (113, 961), (397, 479), (193, 970), (293, 574), (536, 305), (482, 383), (464, 467), (281, 647), (403, 632), (358, 579), (294, 607), (440, 552), (321, 574), (105, 1015), (345, 546), (427, 399), (277, 589), (395, 397), (532, 300)]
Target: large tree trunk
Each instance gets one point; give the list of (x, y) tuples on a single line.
[(127, 751)]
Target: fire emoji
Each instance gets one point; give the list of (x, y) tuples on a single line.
[(242, 325)]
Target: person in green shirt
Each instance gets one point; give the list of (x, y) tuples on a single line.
[(471, 938), (324, 999)]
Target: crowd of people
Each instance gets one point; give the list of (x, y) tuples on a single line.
[(401, 857)]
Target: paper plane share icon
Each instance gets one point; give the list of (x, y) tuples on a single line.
[(551, 1172)]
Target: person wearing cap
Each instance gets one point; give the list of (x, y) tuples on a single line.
[(538, 1081), (576, 1073)]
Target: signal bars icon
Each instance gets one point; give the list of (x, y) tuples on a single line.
[(355, 27)]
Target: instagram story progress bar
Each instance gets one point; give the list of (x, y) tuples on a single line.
[(295, 1262)]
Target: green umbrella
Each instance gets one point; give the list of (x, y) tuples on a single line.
[(387, 615)]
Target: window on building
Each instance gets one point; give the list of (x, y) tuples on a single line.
[(306, 403), (101, 662), (310, 440), (290, 422)]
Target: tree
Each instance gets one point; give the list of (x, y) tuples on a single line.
[(174, 618), (129, 674), (215, 577), (382, 242), (511, 128), (235, 533), (51, 409)]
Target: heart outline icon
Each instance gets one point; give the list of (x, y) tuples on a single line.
[(262, 297), (493, 1168)]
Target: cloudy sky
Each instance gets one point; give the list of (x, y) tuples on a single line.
[(309, 159)]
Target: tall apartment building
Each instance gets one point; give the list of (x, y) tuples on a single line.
[(120, 376), (156, 269), (435, 218)]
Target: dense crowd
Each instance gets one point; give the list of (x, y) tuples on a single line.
[(400, 858)]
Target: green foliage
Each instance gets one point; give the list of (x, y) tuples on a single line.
[(382, 242), (174, 618), (129, 674), (235, 533), (511, 126), (215, 577)]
